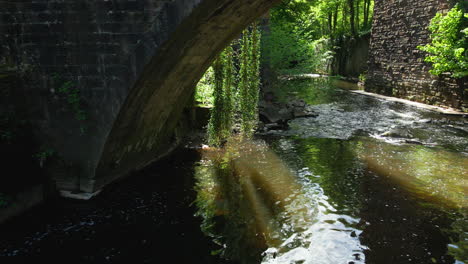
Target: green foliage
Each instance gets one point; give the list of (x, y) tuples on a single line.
[(249, 80), (448, 51), (204, 89), (460, 228), (228, 95), (217, 87), (313, 91), (43, 155), (362, 77), (301, 32), (289, 54), (287, 50), (5, 200), (220, 124), (70, 93), (314, 19)]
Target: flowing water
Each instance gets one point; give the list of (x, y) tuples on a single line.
[(366, 181)]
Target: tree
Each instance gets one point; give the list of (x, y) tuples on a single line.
[(298, 25), (351, 17)]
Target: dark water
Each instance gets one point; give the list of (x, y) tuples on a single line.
[(147, 218), (366, 181)]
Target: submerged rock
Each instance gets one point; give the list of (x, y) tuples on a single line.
[(304, 113), (276, 115), (274, 126), (415, 142), (397, 133)]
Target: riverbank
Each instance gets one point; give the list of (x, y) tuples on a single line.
[(438, 109)]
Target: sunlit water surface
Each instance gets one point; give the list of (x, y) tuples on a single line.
[(366, 181)]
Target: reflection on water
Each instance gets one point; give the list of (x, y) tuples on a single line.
[(431, 173), (407, 215), (301, 88), (366, 181), (252, 203)]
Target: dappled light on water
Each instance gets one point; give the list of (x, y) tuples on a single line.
[(433, 174), (258, 210), (363, 181), (402, 170)]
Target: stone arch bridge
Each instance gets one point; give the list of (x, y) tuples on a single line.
[(107, 80)]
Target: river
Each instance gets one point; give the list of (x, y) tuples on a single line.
[(365, 181)]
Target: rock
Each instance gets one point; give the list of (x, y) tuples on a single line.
[(397, 133), (284, 112), (426, 121), (303, 113), (263, 104), (78, 195), (273, 115), (274, 112), (388, 134), (274, 126), (280, 114), (261, 126), (297, 103), (415, 142), (269, 97)]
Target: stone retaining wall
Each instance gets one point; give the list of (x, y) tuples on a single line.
[(351, 56), (397, 67)]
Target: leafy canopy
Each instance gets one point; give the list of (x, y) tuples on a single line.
[(301, 32)]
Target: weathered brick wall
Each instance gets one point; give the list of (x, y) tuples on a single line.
[(397, 67), (100, 48)]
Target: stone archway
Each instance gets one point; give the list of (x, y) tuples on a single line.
[(131, 64), (145, 125)]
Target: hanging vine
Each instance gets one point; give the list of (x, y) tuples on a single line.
[(226, 102), (249, 79), (215, 123), (228, 120), (221, 120), (244, 82), (254, 79)]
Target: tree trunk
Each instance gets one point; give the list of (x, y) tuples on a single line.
[(345, 15), (357, 14), (335, 18), (366, 12), (351, 16)]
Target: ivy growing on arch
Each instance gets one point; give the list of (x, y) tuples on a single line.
[(221, 120), (234, 79), (249, 79)]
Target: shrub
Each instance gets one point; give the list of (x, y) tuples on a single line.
[(448, 51)]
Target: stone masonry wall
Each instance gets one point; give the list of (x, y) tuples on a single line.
[(78, 60), (106, 81), (351, 56), (397, 67)]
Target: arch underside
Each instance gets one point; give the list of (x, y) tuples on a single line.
[(144, 128)]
